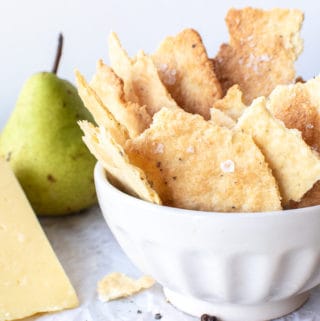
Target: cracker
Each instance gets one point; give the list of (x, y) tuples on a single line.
[(106, 148), (197, 165), (99, 111), (219, 118), (109, 88), (148, 86), (262, 50), (118, 285), (187, 72), (311, 198), (231, 104), (121, 63), (295, 166), (298, 106), (142, 83)]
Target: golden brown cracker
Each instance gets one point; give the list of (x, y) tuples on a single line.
[(187, 72), (311, 198), (99, 111), (232, 104), (197, 165), (295, 166), (118, 285), (121, 63), (261, 52), (119, 58), (219, 118), (105, 147), (109, 88), (142, 83), (298, 106), (148, 86)]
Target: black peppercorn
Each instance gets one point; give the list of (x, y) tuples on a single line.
[(207, 317)]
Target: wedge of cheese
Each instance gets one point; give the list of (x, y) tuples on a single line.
[(31, 278)]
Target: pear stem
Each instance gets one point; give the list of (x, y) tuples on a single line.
[(58, 54)]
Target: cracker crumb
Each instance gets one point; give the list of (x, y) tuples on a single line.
[(227, 166), (118, 285)]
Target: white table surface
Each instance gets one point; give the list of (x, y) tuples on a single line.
[(88, 251)]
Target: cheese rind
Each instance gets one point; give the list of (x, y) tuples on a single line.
[(31, 278)]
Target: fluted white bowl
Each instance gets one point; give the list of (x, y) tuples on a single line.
[(236, 266)]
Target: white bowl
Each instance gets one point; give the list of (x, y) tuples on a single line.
[(237, 266)]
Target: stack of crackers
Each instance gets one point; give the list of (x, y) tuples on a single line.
[(236, 133)]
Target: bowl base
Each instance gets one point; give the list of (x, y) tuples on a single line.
[(236, 312)]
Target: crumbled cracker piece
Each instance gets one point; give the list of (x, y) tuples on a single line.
[(231, 104), (262, 50), (99, 111), (187, 72), (219, 118), (311, 198), (298, 106), (148, 86), (197, 165), (107, 148), (109, 88), (142, 83), (121, 63), (118, 285), (295, 166)]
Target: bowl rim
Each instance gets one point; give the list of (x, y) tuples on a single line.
[(100, 174)]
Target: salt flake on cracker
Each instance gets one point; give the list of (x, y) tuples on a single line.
[(109, 88), (202, 166), (187, 72), (261, 52), (118, 285), (295, 166)]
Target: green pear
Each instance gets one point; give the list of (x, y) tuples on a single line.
[(43, 143)]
